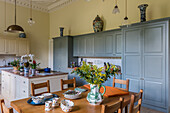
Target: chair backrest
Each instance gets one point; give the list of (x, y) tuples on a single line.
[(4, 109), (134, 99), (125, 82), (71, 81), (117, 106), (38, 86)]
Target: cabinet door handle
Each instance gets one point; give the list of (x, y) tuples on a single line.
[(24, 82), (24, 91), (141, 78)]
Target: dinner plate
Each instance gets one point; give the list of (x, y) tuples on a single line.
[(43, 103)]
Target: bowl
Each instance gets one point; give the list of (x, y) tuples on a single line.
[(67, 105), (47, 95), (38, 99), (72, 94)]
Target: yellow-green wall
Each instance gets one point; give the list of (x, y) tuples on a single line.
[(77, 18), (38, 33)]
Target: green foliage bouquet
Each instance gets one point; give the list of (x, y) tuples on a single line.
[(94, 75)]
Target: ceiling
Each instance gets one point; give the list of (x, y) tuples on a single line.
[(43, 5)]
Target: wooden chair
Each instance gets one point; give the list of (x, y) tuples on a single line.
[(38, 86), (4, 109), (124, 82), (118, 106), (71, 81), (134, 99)]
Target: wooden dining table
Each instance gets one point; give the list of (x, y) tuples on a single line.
[(80, 105)]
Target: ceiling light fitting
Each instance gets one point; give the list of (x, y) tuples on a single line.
[(30, 20), (15, 28), (116, 9)]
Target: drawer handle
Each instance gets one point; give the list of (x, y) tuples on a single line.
[(24, 91), (24, 82)]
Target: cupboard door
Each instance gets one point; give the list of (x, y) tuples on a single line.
[(118, 37), (11, 46), (109, 44), (76, 47), (99, 45), (2, 46), (23, 47), (82, 46), (13, 86), (57, 54), (154, 65), (90, 45), (132, 58)]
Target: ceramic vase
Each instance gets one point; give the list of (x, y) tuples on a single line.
[(33, 71), (94, 96), (61, 31), (98, 24), (26, 69), (142, 8)]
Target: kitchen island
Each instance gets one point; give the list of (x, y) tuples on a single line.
[(18, 86)]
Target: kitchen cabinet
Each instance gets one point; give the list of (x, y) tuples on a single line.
[(76, 46), (99, 45), (11, 46), (89, 45), (2, 46), (103, 44), (63, 53), (22, 47), (83, 45), (14, 46), (145, 62), (18, 87)]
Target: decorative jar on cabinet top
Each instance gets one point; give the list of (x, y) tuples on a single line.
[(98, 24)]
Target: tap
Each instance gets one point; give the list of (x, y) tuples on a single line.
[(4, 60)]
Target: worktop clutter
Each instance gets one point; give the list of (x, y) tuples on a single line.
[(100, 63)]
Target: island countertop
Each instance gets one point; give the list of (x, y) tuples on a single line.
[(38, 75)]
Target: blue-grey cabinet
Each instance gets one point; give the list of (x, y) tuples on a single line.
[(145, 62), (89, 45), (63, 53), (83, 45), (103, 44), (99, 45), (76, 46)]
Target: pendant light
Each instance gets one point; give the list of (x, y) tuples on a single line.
[(126, 19), (116, 9), (30, 20), (5, 31), (15, 28)]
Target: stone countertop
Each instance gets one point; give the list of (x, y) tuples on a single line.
[(5, 66), (39, 75)]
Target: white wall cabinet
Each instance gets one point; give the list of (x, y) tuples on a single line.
[(18, 87), (22, 47), (15, 46)]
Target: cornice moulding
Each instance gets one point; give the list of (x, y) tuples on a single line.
[(48, 9)]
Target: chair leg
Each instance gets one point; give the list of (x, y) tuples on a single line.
[(126, 109)]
